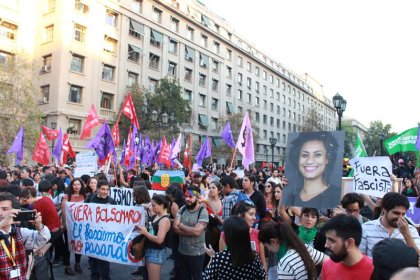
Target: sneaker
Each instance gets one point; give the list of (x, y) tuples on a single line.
[(69, 271)]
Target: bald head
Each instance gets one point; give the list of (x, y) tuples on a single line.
[(409, 273)]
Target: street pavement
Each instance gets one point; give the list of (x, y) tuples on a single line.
[(118, 271)]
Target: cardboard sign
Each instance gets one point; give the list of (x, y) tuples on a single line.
[(372, 175), (103, 231), (86, 163)]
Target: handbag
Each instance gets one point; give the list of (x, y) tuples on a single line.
[(137, 248)]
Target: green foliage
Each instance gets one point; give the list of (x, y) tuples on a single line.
[(312, 122), (372, 138), (19, 102), (349, 139)]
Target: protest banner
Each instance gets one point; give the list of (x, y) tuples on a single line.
[(103, 231), (372, 175), (413, 213), (87, 163), (125, 197)]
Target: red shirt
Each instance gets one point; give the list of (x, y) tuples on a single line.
[(360, 271), (50, 218)]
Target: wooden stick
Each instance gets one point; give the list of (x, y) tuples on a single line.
[(233, 158)]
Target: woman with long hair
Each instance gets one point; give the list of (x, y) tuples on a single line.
[(156, 236), (91, 187), (246, 210), (270, 199), (238, 260), (296, 259), (278, 193), (409, 190), (75, 193), (204, 186)]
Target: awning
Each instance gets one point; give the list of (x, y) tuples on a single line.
[(205, 20), (133, 49), (157, 36), (229, 107), (189, 53), (203, 120), (137, 27), (204, 60)]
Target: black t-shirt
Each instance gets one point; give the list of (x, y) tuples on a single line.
[(99, 200)]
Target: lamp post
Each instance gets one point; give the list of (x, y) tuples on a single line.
[(164, 120), (340, 106), (273, 142), (381, 140), (266, 153)]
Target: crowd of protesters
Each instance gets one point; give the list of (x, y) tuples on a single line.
[(217, 225)]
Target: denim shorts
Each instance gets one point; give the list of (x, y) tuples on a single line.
[(155, 256)]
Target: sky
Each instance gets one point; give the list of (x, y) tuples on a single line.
[(366, 50)]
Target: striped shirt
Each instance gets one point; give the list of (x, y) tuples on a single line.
[(291, 265), (374, 231)]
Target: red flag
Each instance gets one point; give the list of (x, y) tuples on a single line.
[(41, 153), (165, 153), (264, 164), (116, 134), (129, 110), (67, 148), (128, 153), (51, 134), (187, 152), (92, 120)]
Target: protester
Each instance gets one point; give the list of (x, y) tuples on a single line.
[(248, 184), (274, 177), (21, 239), (391, 224), (270, 200), (91, 187), (231, 195), (75, 193), (344, 234), (238, 260), (296, 260), (352, 204), (156, 236), (307, 231), (190, 224), (409, 189), (278, 193)]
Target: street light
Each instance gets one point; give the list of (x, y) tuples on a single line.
[(340, 106), (273, 142), (165, 118), (266, 153), (381, 140)]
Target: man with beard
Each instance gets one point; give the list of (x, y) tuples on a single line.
[(190, 223), (344, 234), (391, 224)]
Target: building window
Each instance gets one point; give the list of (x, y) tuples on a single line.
[(136, 29), (157, 15), (257, 117), (257, 87), (45, 93), (239, 78), (214, 124), (107, 99), (77, 63), (80, 7), (264, 75), (271, 121), (257, 101), (152, 84), (110, 45), (202, 80), (278, 109), (133, 79), (216, 47), (240, 61), (278, 126), (229, 54), (74, 126), (136, 5), (264, 119), (215, 85), (134, 53), (265, 104), (154, 61), (173, 46), (190, 33), (264, 89), (229, 108), (284, 112), (284, 124), (203, 41), (111, 18), (201, 100), (215, 67), (215, 104), (271, 79), (172, 68), (188, 74), (46, 63), (204, 60), (108, 73), (79, 33), (257, 71), (239, 94), (174, 24), (75, 94), (156, 38), (48, 33), (229, 72), (248, 82), (240, 109), (271, 107), (249, 99), (228, 90), (265, 134), (189, 54), (8, 30), (187, 95), (203, 121), (248, 66)]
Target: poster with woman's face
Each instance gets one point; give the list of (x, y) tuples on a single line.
[(314, 169)]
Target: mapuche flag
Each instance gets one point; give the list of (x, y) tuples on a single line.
[(162, 179)]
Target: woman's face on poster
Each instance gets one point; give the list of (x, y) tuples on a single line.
[(312, 159)]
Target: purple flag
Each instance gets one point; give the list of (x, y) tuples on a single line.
[(17, 146), (227, 136), (123, 153), (418, 140), (103, 143), (135, 140), (145, 151), (58, 147), (205, 151), (156, 151), (151, 157)]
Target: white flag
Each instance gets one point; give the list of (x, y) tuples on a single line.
[(245, 144)]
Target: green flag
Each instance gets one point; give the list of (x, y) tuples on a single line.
[(359, 150), (403, 142)]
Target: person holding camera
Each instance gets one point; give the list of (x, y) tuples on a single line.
[(15, 240)]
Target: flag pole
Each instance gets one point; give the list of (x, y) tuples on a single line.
[(233, 158)]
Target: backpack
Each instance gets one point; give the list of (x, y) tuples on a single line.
[(199, 211)]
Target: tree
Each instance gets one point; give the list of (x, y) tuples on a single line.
[(312, 122), (349, 139), (19, 99), (166, 98), (372, 138)]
